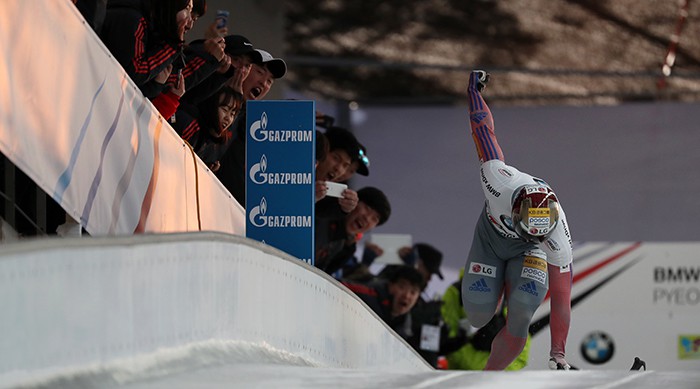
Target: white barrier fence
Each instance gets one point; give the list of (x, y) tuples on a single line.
[(73, 303), (72, 120)]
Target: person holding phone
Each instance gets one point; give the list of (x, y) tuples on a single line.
[(146, 37), (168, 101), (336, 238)]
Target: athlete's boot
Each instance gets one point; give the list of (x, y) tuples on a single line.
[(554, 365)]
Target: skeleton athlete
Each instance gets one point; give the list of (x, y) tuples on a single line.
[(521, 247)]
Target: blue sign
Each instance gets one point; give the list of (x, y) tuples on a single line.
[(280, 165)]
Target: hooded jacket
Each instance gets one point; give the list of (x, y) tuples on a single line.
[(129, 35)]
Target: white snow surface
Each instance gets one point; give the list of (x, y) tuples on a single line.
[(237, 364)]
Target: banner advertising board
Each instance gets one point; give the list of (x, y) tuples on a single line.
[(280, 161)]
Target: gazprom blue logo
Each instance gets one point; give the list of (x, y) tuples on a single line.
[(259, 175), (260, 133), (259, 218)]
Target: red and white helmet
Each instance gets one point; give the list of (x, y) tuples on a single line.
[(535, 211)]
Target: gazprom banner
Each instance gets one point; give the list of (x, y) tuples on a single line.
[(280, 161)]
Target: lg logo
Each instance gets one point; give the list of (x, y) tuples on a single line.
[(483, 269)]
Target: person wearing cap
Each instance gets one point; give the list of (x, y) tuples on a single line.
[(425, 316), (424, 257), (359, 165), (428, 260), (392, 299), (337, 238), (238, 54), (344, 151), (521, 249), (264, 70)]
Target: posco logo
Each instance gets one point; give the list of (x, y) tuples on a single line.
[(260, 133), (258, 218), (258, 174), (534, 274), (538, 221)]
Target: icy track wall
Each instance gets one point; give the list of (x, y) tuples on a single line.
[(69, 304)]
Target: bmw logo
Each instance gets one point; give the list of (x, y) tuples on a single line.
[(597, 348)]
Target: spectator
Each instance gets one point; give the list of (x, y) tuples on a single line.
[(338, 237), (359, 165), (426, 258), (343, 150), (426, 316), (146, 37), (235, 67), (264, 70), (521, 247), (203, 58), (205, 127), (240, 52), (392, 299), (475, 352)]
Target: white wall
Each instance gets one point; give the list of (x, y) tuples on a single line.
[(73, 303)]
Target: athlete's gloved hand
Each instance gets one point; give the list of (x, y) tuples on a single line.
[(560, 364)]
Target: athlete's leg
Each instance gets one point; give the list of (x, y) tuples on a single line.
[(483, 281), (526, 286), (481, 122), (560, 279)]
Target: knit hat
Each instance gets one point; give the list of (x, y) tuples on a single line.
[(376, 199), (340, 138), (432, 258)]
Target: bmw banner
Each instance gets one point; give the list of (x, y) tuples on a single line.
[(280, 165)]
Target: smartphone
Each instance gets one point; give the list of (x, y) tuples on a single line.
[(179, 79), (221, 18), (335, 189)]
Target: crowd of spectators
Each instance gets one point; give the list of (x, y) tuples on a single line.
[(202, 87)]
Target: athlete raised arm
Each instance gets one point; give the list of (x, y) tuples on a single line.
[(521, 247)]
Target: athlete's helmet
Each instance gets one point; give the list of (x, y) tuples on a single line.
[(535, 211)]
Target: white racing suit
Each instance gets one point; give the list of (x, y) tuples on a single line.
[(501, 263)]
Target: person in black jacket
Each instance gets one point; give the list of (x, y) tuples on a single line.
[(205, 126), (336, 238), (265, 69), (147, 38), (392, 299)]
